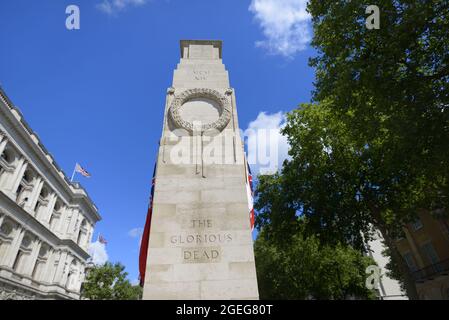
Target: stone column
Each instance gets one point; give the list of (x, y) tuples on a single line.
[(72, 223), (61, 268), (37, 187), (15, 246), (89, 236), (17, 177), (75, 224), (65, 222), (49, 265), (65, 275), (45, 218), (54, 268), (60, 227), (14, 179), (37, 243), (82, 277), (3, 143)]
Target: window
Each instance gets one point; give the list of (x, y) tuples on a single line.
[(17, 261), (36, 270), (36, 208), (21, 196), (432, 256), (28, 176), (19, 190), (408, 257), (6, 228), (417, 224), (8, 156)]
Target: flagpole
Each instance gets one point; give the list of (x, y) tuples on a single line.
[(73, 174)]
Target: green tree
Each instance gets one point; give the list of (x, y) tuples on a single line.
[(389, 93), (373, 149), (306, 269), (108, 282)]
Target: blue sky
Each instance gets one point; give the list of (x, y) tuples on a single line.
[(96, 95)]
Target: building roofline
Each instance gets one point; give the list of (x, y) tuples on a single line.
[(49, 157)]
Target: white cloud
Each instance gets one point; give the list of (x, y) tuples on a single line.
[(112, 7), (267, 147), (135, 233), (285, 25), (97, 252)]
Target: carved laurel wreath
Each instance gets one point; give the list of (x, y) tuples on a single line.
[(223, 102)]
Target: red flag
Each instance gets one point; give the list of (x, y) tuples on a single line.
[(146, 235), (250, 194)]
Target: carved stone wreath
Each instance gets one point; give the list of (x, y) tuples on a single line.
[(223, 102)]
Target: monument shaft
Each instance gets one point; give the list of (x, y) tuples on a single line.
[(200, 244)]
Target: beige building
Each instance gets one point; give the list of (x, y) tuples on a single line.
[(425, 248), (46, 222)]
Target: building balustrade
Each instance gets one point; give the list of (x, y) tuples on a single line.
[(432, 271)]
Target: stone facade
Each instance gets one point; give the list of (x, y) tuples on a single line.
[(425, 248), (200, 243), (46, 222)]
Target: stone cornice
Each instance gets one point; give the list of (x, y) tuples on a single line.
[(31, 224), (51, 291), (215, 43)]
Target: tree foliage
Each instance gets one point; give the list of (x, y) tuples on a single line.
[(373, 148), (108, 282), (305, 269)]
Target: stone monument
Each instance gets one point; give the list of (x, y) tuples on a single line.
[(200, 244)]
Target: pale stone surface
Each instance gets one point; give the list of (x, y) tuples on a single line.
[(200, 241), (46, 222)]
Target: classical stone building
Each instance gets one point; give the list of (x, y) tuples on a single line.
[(46, 222), (200, 244), (425, 248)]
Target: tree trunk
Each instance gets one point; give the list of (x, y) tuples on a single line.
[(396, 257)]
